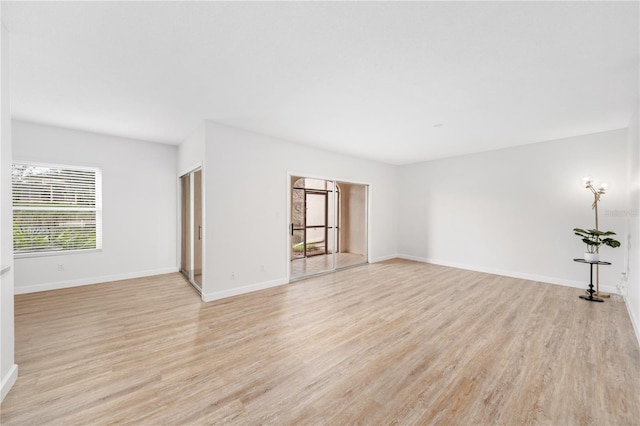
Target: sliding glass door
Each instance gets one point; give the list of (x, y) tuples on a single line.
[(328, 228)]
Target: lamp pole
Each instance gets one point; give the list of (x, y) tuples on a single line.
[(597, 192)]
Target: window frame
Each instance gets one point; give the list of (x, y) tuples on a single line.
[(97, 209)]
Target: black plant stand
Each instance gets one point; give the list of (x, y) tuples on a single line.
[(590, 297)]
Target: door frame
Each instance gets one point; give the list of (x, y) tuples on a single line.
[(288, 187)]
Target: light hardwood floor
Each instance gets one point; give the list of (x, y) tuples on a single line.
[(321, 263), (392, 342)]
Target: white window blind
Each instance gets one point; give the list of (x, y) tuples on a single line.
[(56, 208)]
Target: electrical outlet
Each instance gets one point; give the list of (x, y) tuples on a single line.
[(60, 267), (233, 275)]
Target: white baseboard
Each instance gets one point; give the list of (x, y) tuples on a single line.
[(383, 258), (8, 381), (89, 281), (209, 297), (512, 274), (634, 320)]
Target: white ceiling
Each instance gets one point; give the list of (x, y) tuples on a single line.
[(367, 79)]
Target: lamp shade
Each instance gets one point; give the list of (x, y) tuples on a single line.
[(602, 188)]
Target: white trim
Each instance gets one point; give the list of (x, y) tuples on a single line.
[(325, 177), (242, 290), (383, 258), (367, 220), (512, 274), (287, 244), (634, 320), (90, 281), (8, 381), (55, 253), (55, 165), (191, 169)]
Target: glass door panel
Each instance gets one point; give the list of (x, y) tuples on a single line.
[(197, 228), (297, 229), (316, 222), (191, 227), (330, 219), (185, 256), (297, 244), (352, 231), (310, 226)]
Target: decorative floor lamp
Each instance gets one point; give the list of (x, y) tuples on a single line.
[(597, 191)]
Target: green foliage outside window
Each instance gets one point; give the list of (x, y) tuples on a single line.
[(55, 208)]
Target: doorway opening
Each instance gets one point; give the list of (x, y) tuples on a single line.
[(191, 226), (328, 225)]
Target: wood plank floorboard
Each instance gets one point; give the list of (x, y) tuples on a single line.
[(395, 342)]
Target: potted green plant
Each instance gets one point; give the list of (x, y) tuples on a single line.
[(594, 238)]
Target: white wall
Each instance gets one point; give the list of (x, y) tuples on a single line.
[(633, 217), (512, 211), (8, 369), (246, 211), (139, 206), (191, 151)]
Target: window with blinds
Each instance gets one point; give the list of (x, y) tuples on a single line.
[(56, 208)]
